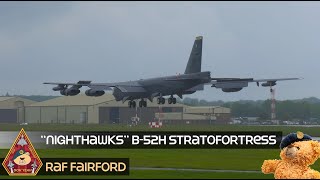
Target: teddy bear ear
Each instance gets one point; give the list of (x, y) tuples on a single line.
[(316, 147)]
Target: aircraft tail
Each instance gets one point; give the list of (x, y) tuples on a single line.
[(194, 63)]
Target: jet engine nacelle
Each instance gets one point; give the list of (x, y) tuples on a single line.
[(59, 87), (231, 89), (269, 83), (69, 92), (92, 92)]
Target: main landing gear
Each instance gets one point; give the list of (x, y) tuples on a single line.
[(142, 103), (161, 100), (132, 104), (171, 100)]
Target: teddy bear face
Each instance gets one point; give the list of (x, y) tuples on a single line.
[(23, 159), (301, 152)]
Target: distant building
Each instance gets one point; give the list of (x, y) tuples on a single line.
[(82, 109), (12, 109), (197, 115)]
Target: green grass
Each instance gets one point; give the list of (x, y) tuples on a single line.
[(178, 158), (156, 174), (230, 159), (313, 131), (235, 159)]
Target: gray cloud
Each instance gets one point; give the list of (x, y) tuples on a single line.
[(118, 41)]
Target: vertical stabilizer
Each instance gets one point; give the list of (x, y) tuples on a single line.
[(194, 63)]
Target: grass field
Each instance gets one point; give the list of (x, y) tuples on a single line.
[(224, 159), (313, 131), (138, 174)]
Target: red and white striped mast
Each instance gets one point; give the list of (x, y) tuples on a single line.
[(273, 104)]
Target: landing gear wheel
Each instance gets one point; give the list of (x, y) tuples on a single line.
[(142, 103), (129, 104), (163, 100), (133, 104), (174, 100), (169, 100)]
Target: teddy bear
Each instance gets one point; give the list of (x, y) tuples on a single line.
[(298, 152), (21, 158)]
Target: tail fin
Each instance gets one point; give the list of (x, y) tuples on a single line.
[(194, 63)]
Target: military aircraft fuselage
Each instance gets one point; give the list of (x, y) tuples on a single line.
[(163, 86)]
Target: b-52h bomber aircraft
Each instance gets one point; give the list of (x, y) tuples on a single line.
[(191, 81)]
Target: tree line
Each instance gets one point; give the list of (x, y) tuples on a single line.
[(304, 109)]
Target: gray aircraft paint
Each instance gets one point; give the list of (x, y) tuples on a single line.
[(188, 83), (194, 63)]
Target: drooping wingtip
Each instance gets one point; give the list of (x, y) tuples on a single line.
[(298, 78)]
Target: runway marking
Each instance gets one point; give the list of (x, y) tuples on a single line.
[(194, 170)]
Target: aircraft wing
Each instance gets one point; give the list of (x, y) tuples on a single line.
[(253, 80), (236, 84), (122, 86), (80, 83), (281, 79), (63, 86)]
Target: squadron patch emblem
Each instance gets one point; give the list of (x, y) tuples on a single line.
[(22, 159)]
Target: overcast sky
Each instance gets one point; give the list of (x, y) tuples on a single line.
[(119, 41)]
